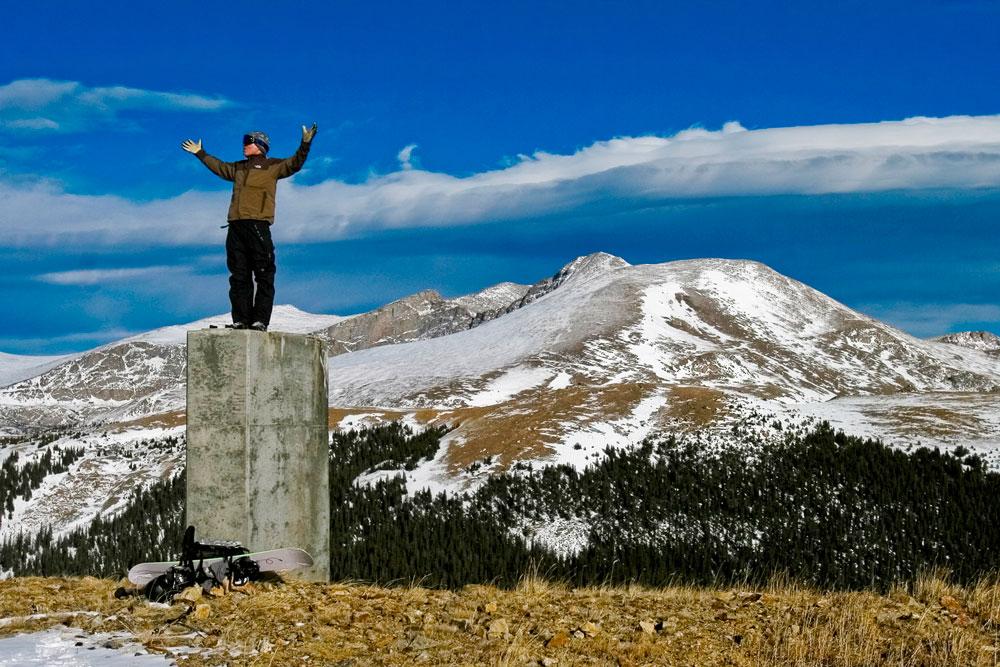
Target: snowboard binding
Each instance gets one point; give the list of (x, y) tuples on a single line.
[(229, 564), (209, 564)]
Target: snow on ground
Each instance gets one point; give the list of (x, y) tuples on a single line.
[(364, 420), (415, 425), (654, 329), (284, 318), (976, 340), (102, 481), (71, 647), (945, 420), (432, 475), (388, 375), (561, 381), (582, 442), (509, 384), (360, 421), (773, 306), (941, 419), (17, 367), (564, 537), (492, 298)]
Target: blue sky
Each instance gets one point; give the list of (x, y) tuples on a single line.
[(462, 144)]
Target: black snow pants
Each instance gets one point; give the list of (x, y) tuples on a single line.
[(250, 257)]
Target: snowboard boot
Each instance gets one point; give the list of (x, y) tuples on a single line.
[(237, 325), (259, 326)]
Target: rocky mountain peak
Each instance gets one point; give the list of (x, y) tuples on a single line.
[(597, 263), (496, 296), (588, 265), (425, 314), (422, 302), (976, 340)]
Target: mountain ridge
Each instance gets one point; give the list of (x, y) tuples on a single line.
[(719, 324), (976, 340), (600, 354)]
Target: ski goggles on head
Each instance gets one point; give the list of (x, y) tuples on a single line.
[(247, 140)]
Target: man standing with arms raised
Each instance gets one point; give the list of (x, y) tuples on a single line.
[(249, 249)]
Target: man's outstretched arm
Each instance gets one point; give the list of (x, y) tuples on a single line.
[(290, 165), (226, 170)]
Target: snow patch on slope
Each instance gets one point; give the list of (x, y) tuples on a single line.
[(113, 466), (492, 298), (74, 647), (398, 375), (17, 367), (432, 475), (508, 385), (588, 440)]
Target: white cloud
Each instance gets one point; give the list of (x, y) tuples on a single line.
[(70, 106), (42, 213), (104, 276), (404, 157), (32, 124), (954, 152), (71, 341), (933, 319)]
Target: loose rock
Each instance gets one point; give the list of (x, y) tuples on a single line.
[(189, 594), (558, 640)]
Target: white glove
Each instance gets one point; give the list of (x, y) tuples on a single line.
[(307, 135)]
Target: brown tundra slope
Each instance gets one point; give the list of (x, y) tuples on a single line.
[(538, 623)]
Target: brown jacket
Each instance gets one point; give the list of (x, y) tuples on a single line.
[(255, 181)]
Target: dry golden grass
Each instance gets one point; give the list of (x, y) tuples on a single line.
[(932, 623), (336, 415), (163, 420), (696, 406), (928, 421), (525, 427)]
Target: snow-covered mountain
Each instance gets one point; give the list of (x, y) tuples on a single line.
[(17, 367), (601, 353), (132, 378), (610, 353), (976, 340), (494, 298), (722, 328), (422, 315), (143, 375), (722, 324)]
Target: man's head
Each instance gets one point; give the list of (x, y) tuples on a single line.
[(255, 143)]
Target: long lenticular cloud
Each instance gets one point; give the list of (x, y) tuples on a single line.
[(47, 105), (917, 153)]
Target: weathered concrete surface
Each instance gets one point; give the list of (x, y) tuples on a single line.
[(257, 461)]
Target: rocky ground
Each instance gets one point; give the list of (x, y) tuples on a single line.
[(538, 623)]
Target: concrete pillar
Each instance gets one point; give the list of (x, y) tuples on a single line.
[(257, 468)]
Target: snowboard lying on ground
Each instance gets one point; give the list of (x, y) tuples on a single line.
[(275, 560)]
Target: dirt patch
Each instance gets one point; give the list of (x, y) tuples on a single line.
[(929, 421), (524, 429), (696, 406), (428, 416), (423, 416), (708, 311), (164, 420), (336, 415)]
